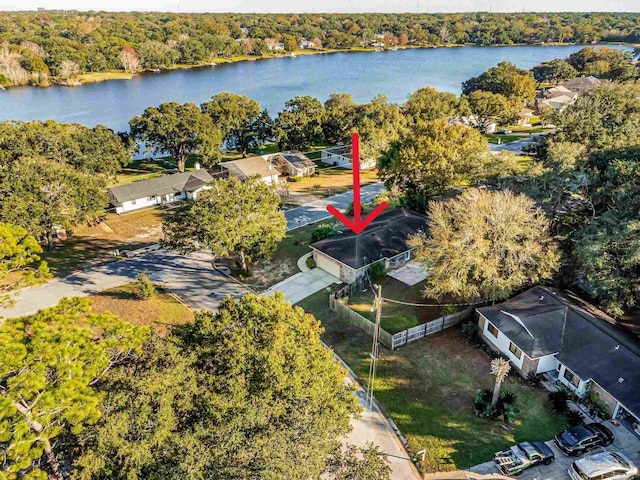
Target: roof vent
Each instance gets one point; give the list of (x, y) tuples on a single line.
[(617, 347), (541, 297), (620, 380)]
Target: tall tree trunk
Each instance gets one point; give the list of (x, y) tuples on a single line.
[(496, 392), (52, 460), (49, 238), (243, 261), (181, 162)]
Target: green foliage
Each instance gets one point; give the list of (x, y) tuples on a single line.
[(554, 72), (559, 400), (237, 117), (368, 463), (433, 158), (232, 217), (485, 245), (427, 104), (178, 129), (310, 262), (41, 195), (574, 418), (144, 286), (377, 270), (491, 108), (19, 251), (603, 62), (470, 331), (49, 362), (324, 230), (505, 407), (505, 79), (299, 124), (535, 379)]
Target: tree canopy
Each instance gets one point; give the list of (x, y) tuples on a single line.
[(554, 71), (49, 363), (505, 79), (249, 391), (299, 124), (484, 245), (488, 108), (179, 130), (427, 104), (232, 217)]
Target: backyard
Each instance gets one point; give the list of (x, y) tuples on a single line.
[(427, 387), (160, 312), (331, 181), (397, 317)]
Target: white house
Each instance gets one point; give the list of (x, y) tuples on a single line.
[(341, 156), (348, 256), (293, 163), (260, 167), (158, 191), (547, 331)]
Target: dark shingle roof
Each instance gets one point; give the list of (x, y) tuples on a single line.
[(178, 182), (297, 159), (386, 237), (588, 342)]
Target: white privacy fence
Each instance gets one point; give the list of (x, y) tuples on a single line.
[(396, 340)]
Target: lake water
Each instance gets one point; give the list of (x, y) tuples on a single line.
[(271, 82)]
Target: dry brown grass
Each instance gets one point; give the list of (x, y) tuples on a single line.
[(160, 312), (338, 180)]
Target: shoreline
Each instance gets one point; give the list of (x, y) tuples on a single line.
[(98, 77)]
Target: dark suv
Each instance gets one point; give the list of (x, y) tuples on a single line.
[(576, 441)]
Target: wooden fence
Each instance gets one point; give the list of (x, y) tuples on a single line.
[(401, 338)]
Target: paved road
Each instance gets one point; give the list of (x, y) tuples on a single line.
[(313, 212), (517, 146), (191, 278), (625, 442)]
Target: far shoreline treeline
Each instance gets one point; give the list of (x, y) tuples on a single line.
[(71, 48)]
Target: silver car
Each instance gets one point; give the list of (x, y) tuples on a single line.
[(603, 465)]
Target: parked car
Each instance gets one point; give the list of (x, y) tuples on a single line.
[(514, 460), (504, 131), (577, 441), (536, 124), (603, 466)]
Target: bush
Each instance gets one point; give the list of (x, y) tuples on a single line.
[(534, 379), (310, 262), (470, 331), (322, 231), (377, 270), (295, 179), (559, 401), (506, 406), (574, 418), (144, 286), (508, 398)]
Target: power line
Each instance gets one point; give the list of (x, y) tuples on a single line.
[(428, 304)]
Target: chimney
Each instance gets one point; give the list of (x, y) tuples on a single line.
[(196, 166)]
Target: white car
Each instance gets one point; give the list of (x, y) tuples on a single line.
[(603, 465)]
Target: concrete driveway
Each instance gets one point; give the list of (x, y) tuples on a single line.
[(303, 284), (625, 442), (190, 277), (316, 211)]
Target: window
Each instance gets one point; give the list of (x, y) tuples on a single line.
[(151, 198), (571, 377), (133, 202), (492, 329), (515, 350)]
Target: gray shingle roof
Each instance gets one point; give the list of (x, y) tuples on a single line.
[(588, 342), (178, 182), (385, 237), (248, 167), (297, 159)]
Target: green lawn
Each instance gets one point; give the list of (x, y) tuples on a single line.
[(493, 138), (396, 317), (427, 387)]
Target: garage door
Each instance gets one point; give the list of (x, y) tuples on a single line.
[(328, 265)]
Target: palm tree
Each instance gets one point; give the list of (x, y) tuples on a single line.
[(500, 368)]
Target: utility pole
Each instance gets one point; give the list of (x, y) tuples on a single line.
[(377, 304)]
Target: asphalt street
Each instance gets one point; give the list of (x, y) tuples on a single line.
[(517, 146), (313, 212)]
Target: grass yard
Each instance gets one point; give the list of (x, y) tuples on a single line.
[(493, 138), (332, 182), (395, 317), (427, 387), (160, 312), (96, 244)]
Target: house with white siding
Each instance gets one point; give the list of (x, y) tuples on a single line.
[(552, 332), (158, 191)]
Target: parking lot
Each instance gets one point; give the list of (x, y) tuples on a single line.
[(625, 442)]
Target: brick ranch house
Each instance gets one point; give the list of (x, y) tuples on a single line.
[(544, 330), (348, 256)]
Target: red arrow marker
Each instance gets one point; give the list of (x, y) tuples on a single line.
[(357, 225)]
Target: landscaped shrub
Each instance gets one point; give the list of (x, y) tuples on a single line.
[(377, 270), (574, 418), (534, 379), (506, 406), (470, 331), (559, 401), (144, 286), (322, 231), (310, 262), (295, 179)]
